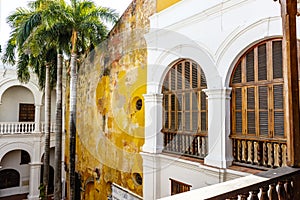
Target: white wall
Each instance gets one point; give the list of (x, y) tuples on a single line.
[(12, 97)]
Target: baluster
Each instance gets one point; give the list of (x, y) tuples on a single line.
[(1, 128), (244, 151), (279, 155), (284, 155), (9, 128), (175, 147), (240, 150), (273, 193), (264, 193), (271, 157), (289, 190), (281, 191), (244, 196), (250, 152), (196, 145), (21, 128), (259, 153), (254, 195), (234, 149), (4, 128), (265, 154), (199, 142)]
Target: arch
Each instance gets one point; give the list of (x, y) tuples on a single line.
[(9, 178), (33, 88), (257, 104), (16, 146), (238, 42), (168, 48)]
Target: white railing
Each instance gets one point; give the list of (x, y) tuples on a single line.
[(8, 128)]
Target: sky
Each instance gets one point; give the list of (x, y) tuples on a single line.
[(8, 6)]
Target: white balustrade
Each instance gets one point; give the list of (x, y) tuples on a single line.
[(7, 128)]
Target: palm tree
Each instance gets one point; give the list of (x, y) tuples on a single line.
[(84, 21), (24, 22), (88, 30)]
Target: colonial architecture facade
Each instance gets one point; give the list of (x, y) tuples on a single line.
[(214, 93), (22, 136)]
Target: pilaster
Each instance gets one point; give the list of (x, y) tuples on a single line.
[(34, 181), (153, 123), (219, 143)]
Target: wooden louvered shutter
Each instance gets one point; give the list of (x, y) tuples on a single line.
[(250, 66), (251, 111), (237, 76), (277, 59), (237, 95), (262, 62), (166, 111), (263, 110), (278, 110)]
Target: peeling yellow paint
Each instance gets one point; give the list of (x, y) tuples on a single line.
[(110, 109)]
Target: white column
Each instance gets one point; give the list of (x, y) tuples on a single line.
[(37, 118), (219, 143), (153, 146), (34, 181), (151, 176), (153, 123)]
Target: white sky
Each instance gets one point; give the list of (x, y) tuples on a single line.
[(8, 6)]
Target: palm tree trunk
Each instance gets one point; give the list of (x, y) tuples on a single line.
[(58, 130), (72, 124), (47, 130)]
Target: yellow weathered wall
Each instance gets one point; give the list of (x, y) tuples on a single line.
[(110, 129), (163, 4)]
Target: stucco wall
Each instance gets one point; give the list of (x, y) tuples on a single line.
[(110, 126), (9, 109)]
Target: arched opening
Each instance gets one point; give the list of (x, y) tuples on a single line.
[(9, 178), (17, 105), (257, 107), (185, 110)]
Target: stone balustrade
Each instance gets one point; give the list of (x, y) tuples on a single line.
[(280, 183), (9, 128)]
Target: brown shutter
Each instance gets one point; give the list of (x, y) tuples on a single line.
[(237, 76), (262, 62), (187, 74), (277, 59), (263, 110), (179, 76), (278, 110), (194, 76), (250, 66)]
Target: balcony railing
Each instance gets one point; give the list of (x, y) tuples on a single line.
[(282, 183), (260, 153), (9, 128), (194, 145)]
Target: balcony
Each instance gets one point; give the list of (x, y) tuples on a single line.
[(9, 128), (282, 183)]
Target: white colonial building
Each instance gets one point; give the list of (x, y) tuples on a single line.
[(21, 136), (214, 104)]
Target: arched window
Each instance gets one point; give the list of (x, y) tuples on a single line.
[(257, 125), (9, 178), (185, 110)]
